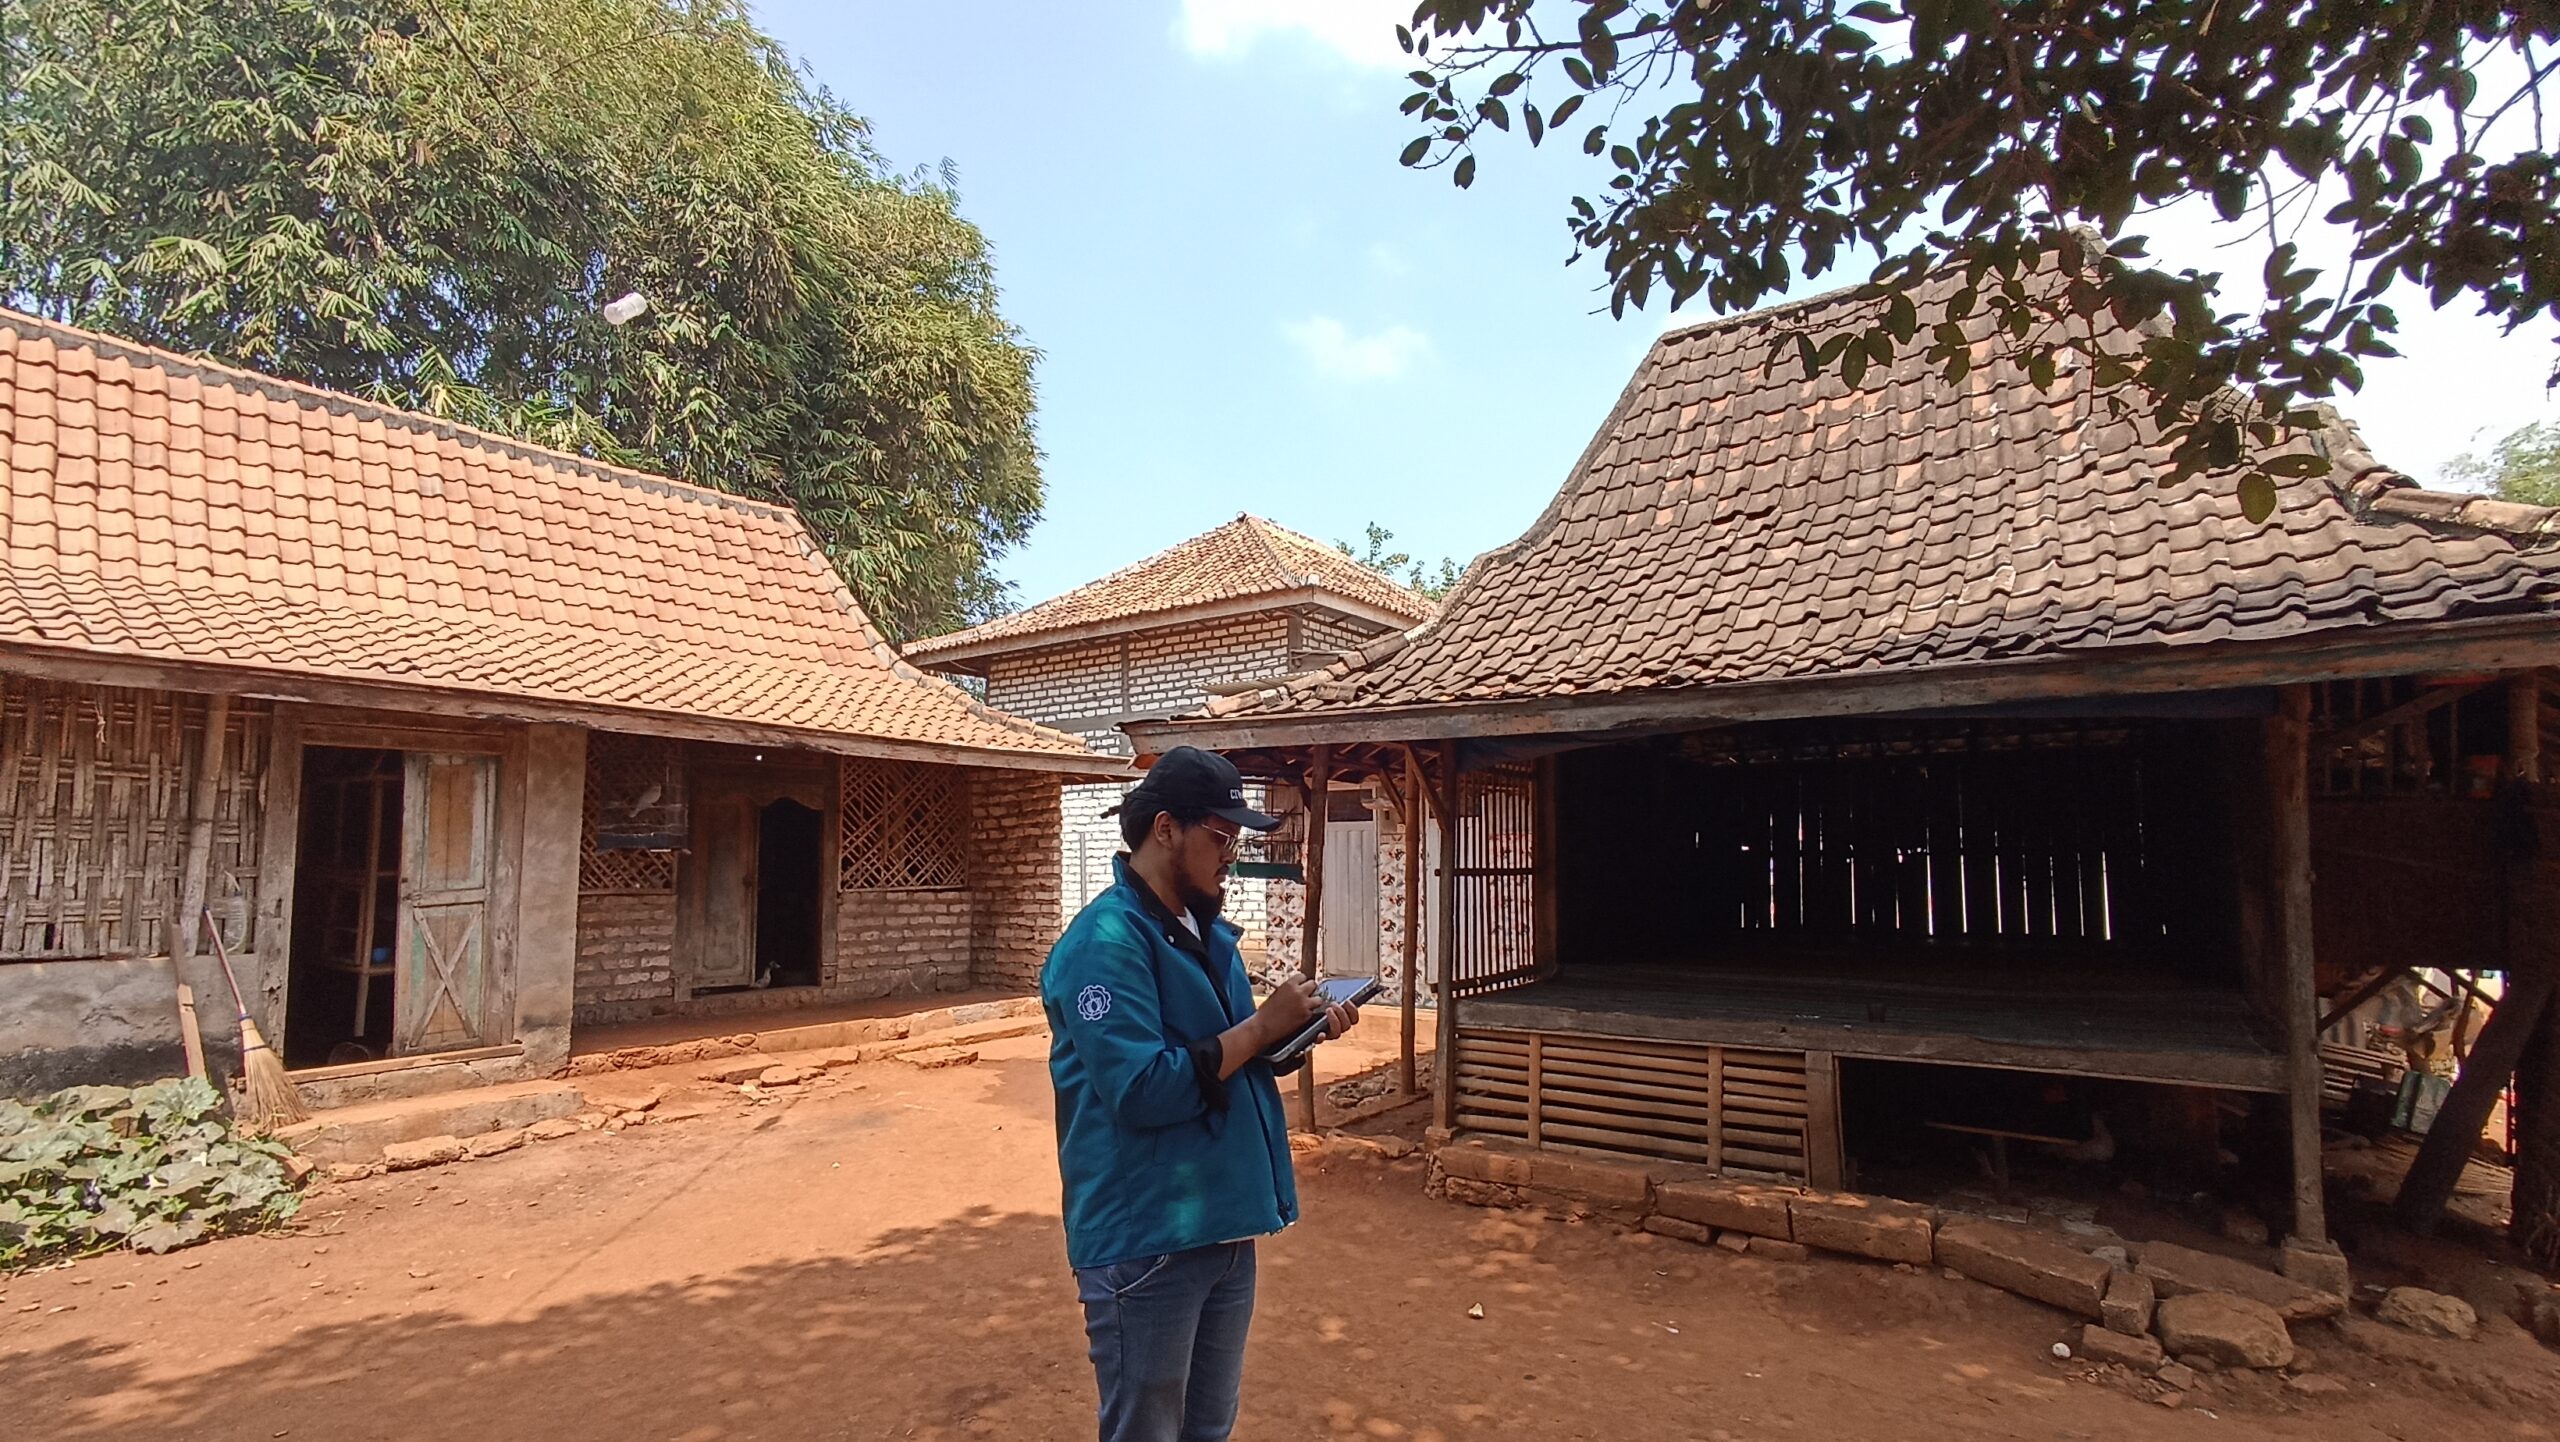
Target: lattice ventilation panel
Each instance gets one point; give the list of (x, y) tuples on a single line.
[(906, 827), (633, 782)]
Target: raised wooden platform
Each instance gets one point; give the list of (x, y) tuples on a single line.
[(2088, 1023)]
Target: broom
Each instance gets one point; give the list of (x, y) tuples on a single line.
[(266, 1098)]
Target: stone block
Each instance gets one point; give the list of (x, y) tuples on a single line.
[(1731, 1206), (1734, 1242), (490, 1144), (1607, 1184), (936, 1058), (552, 1130), (2128, 1304), (2034, 1265), (2317, 1265), (1476, 1163), (1875, 1227), (2100, 1344), (2177, 1271), (2429, 1314), (1771, 1249), (425, 1152), (2178, 1375), (1678, 1230), (2232, 1330), (745, 1068)]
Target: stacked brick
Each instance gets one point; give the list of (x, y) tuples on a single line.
[(626, 950), (1014, 821)]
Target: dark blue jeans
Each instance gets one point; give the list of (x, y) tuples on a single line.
[(1168, 1342)]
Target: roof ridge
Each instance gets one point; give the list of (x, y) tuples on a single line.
[(1260, 530), (348, 402)]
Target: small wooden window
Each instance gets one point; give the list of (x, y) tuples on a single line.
[(905, 827), (635, 813)]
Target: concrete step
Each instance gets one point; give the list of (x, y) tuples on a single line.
[(360, 1133)]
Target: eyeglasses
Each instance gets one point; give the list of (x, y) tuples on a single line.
[(1229, 842)]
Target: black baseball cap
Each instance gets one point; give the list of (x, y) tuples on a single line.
[(1188, 780)]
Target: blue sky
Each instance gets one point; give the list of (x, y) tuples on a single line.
[(1243, 303)]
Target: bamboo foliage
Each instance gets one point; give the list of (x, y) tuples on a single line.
[(94, 791)]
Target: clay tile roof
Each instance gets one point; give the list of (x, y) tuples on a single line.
[(1732, 522), (242, 522), (1246, 559)]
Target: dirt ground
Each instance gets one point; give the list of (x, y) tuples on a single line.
[(880, 1257)]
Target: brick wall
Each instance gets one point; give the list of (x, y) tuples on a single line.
[(1332, 633), (626, 951), (1013, 869), (901, 943)]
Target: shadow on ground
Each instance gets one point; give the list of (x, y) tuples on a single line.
[(931, 1334)]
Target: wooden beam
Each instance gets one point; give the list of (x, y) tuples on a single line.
[(1311, 925), (2438, 1166), (2348, 652), (2288, 789), (1444, 1065), (2524, 726), (2416, 706), (1413, 847), (205, 797), (2359, 995)]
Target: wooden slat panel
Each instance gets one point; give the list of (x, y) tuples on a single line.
[(1729, 1107)]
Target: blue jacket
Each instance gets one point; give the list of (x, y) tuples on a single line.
[(1156, 1153)]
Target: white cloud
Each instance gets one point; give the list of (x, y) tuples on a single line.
[(1362, 32), (1337, 354)]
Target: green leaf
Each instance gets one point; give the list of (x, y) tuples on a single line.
[(2257, 497), (1466, 174), (1564, 111), (2297, 466)]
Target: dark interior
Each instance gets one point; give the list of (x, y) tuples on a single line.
[(788, 867), (346, 908), (1933, 850)]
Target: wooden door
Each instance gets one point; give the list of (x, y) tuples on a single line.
[(725, 945), (448, 856), (1350, 945)]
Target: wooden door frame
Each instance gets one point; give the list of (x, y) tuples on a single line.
[(812, 779), (297, 726)]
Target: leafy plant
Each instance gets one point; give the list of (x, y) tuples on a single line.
[(428, 202), (2523, 466), (1750, 143), (152, 1168), (1433, 581)]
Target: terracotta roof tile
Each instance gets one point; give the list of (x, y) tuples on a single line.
[(1733, 524), (162, 508), (1245, 558)]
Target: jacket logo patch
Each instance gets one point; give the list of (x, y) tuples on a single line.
[(1093, 1003)]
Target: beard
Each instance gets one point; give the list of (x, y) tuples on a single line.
[(1209, 903)]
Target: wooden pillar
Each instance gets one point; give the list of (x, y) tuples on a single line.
[(1444, 1065), (1412, 988), (1311, 926), (187, 939), (2288, 781), (2524, 725)]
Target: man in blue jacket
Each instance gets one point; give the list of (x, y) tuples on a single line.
[(1171, 1142)]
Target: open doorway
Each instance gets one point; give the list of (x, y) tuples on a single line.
[(346, 908), (788, 872)]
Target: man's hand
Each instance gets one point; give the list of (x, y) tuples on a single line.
[(1340, 1019), (1292, 1003)]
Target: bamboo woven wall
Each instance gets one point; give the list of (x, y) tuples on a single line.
[(94, 788)]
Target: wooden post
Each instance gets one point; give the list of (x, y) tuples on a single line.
[(1311, 926), (1444, 1065), (2288, 779), (1412, 988), (190, 1033), (184, 941), (2524, 725)]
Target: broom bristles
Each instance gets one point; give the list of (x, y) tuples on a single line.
[(267, 1099)]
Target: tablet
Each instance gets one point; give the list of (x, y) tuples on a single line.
[(1333, 992)]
